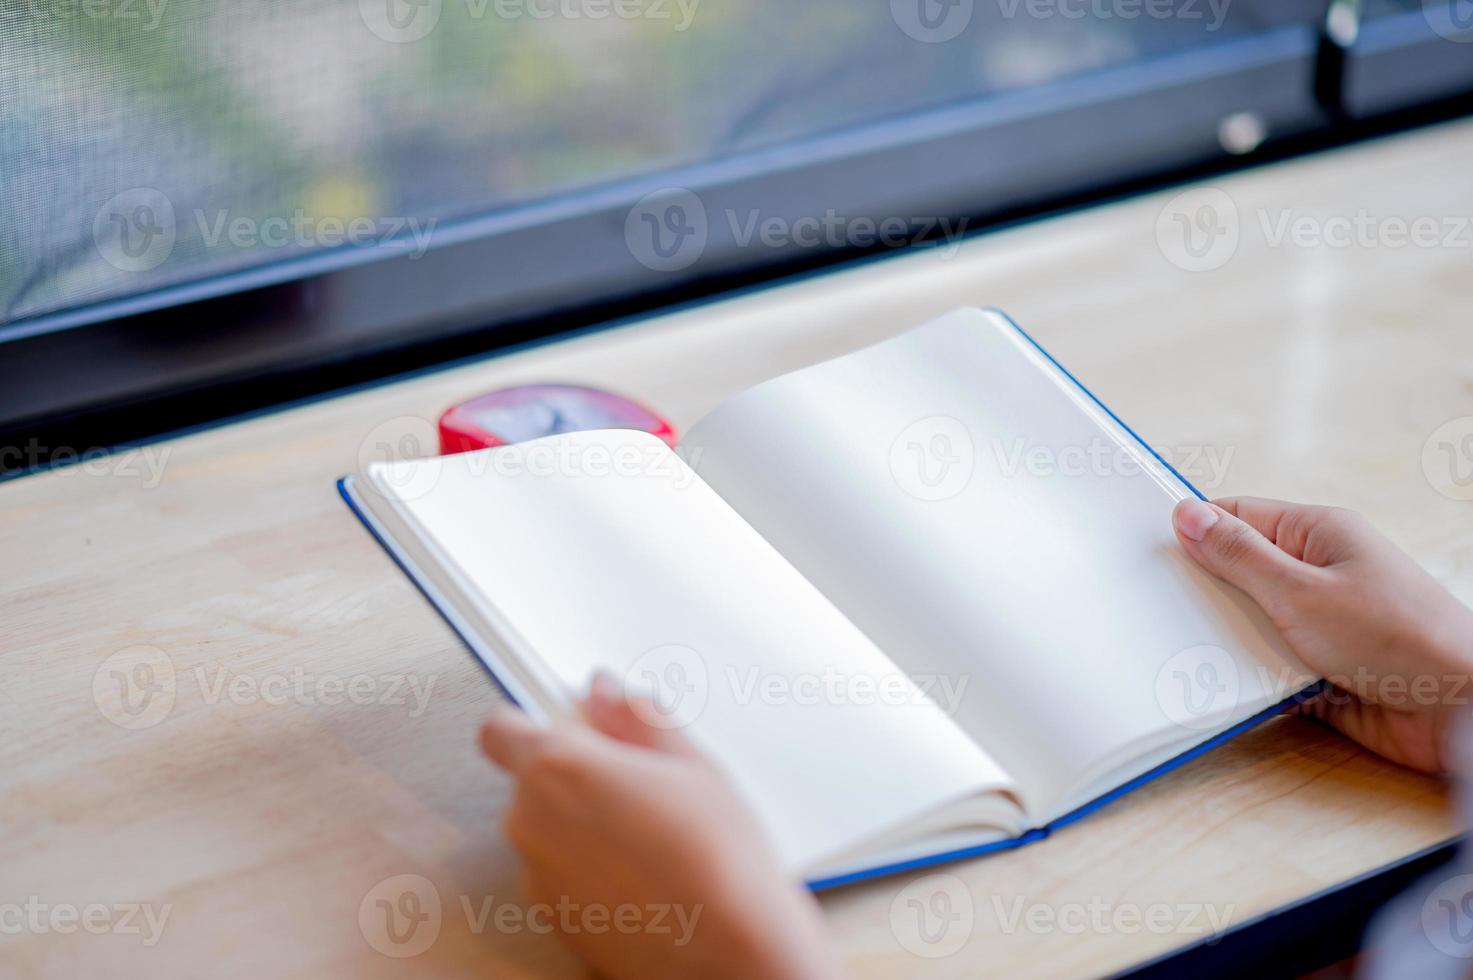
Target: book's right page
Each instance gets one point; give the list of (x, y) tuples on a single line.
[(997, 532)]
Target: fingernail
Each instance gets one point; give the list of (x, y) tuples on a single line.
[(1194, 518)]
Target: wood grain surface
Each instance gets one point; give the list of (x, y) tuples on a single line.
[(299, 724)]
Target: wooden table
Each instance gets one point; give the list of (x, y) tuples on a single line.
[(264, 804)]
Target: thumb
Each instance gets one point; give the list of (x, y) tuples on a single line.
[(1232, 550), (631, 719), (509, 738)]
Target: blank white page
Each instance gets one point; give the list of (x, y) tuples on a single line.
[(895, 480), (604, 550)]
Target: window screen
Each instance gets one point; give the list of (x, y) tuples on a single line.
[(151, 142)]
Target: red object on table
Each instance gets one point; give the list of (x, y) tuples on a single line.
[(533, 411)]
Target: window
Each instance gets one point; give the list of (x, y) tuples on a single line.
[(202, 194), (151, 142)]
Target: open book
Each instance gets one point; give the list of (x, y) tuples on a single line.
[(920, 601)]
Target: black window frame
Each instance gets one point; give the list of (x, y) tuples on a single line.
[(121, 371)]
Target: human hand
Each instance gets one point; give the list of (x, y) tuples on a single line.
[(1396, 647), (612, 813)]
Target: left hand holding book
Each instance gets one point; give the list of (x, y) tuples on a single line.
[(642, 856)]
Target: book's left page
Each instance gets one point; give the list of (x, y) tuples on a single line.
[(603, 550)]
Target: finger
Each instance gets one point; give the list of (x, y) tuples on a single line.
[(509, 738), (1235, 551), (1286, 524), (539, 891), (535, 834), (1388, 734), (1340, 712), (629, 718), (534, 888), (1260, 513)]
